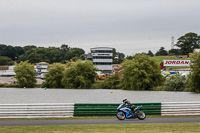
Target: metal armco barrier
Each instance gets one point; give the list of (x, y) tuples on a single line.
[(99, 109), (43, 110), (180, 108), (61, 110)]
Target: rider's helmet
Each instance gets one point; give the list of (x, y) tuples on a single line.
[(125, 100)]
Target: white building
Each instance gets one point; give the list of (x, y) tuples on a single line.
[(102, 58), (9, 72), (42, 67)]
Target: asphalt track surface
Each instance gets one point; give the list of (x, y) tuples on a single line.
[(97, 121)]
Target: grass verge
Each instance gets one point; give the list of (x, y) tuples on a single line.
[(97, 85), (9, 85), (97, 117), (124, 128)]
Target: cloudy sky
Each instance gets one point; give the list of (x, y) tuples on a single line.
[(130, 26)]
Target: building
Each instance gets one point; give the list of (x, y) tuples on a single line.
[(41, 67), (89, 56), (102, 58), (9, 72)]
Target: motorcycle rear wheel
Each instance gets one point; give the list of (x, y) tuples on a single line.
[(141, 115), (121, 115)]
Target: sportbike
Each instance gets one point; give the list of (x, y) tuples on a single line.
[(124, 112)]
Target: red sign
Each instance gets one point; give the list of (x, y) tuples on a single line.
[(178, 63)]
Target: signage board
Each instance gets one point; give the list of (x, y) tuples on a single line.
[(176, 63)]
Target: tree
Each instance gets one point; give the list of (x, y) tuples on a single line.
[(19, 51), (35, 55), (83, 56), (26, 48), (150, 53), (53, 55), (79, 75), (141, 73), (22, 57), (112, 82), (64, 47), (175, 51), (2, 47), (25, 74), (10, 51), (129, 57), (54, 76), (119, 58), (161, 52), (195, 72), (74, 52), (188, 42), (114, 53), (4, 60), (175, 83)]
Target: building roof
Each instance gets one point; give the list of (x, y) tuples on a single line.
[(4, 67), (186, 69), (102, 48), (42, 63)]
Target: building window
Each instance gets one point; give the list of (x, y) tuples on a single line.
[(102, 63), (101, 51), (102, 57)]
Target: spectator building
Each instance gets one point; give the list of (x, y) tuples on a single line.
[(41, 67), (102, 58)]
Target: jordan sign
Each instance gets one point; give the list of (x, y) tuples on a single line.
[(176, 63)]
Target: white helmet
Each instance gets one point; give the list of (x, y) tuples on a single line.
[(125, 100)]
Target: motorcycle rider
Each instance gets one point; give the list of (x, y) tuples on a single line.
[(129, 105)]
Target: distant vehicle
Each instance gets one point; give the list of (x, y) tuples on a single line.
[(169, 73), (184, 74), (101, 75)]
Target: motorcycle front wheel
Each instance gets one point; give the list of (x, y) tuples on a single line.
[(121, 115), (141, 115)]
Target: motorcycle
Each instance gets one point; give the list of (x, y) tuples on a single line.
[(125, 112)]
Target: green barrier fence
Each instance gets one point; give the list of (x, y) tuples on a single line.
[(106, 109)]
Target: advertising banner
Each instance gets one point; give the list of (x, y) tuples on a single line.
[(176, 63)]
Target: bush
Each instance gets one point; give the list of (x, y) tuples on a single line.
[(9, 85), (4, 60), (141, 73), (112, 82), (54, 76), (79, 75), (195, 72), (171, 54), (25, 74), (175, 83), (97, 85)]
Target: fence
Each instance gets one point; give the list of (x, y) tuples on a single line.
[(47, 110), (53, 110), (89, 109), (180, 108)]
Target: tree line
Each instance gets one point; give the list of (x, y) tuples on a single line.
[(39, 54), (9, 54), (140, 73), (186, 44)]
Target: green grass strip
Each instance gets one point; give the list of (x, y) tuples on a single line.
[(122, 128)]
